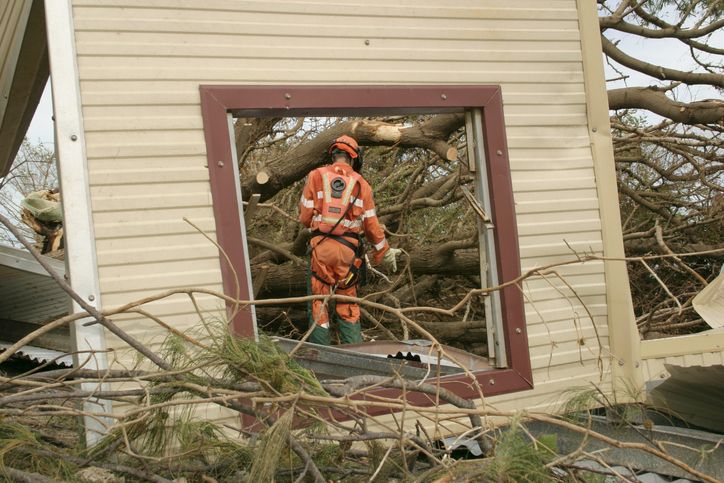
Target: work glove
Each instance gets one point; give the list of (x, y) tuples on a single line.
[(388, 259)]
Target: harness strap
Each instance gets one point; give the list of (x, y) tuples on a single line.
[(319, 278), (338, 302), (339, 239)]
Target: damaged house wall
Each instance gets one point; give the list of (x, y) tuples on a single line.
[(137, 165)]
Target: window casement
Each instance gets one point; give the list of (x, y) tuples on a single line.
[(485, 127)]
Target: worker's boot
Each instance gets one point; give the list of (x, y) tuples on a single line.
[(319, 335), (351, 331)]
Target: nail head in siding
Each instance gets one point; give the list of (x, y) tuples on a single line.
[(367, 42), (91, 298), (74, 137), (620, 363), (491, 382), (287, 96), (499, 153), (518, 331), (594, 129), (443, 97), (221, 164)]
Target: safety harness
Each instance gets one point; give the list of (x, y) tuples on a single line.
[(337, 196)]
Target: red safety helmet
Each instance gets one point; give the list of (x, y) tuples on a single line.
[(347, 145)]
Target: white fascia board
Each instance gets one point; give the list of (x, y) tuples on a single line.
[(80, 247)]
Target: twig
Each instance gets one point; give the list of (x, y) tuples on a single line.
[(24, 477), (379, 467)]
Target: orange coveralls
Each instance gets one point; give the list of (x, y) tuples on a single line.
[(331, 259)]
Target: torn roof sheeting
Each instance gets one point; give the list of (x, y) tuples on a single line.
[(709, 303), (694, 394)]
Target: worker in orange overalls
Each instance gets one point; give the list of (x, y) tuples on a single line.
[(336, 205)]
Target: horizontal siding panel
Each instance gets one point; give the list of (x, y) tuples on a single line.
[(101, 169), (589, 295), (583, 176), (153, 233), (535, 119), (562, 313), (542, 334), (559, 239), (551, 158), (390, 30), (199, 215), (175, 197), (142, 281), (141, 272), (564, 353), (567, 226), (563, 141), (553, 195), (168, 173), (151, 118), (561, 250), (556, 206), (210, 46), (108, 153), (116, 92), (558, 217), (174, 308), (327, 71), (537, 288), (571, 184), (151, 254), (542, 9)]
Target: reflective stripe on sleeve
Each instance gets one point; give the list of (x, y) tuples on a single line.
[(320, 194), (306, 203), (380, 245), (369, 214)]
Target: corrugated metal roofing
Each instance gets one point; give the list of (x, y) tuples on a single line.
[(39, 355), (27, 293)]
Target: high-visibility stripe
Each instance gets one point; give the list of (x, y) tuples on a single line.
[(348, 192), (359, 202), (345, 222), (370, 213), (319, 195), (327, 188), (306, 203), (380, 245)]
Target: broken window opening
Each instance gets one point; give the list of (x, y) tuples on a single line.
[(482, 106), (419, 200)]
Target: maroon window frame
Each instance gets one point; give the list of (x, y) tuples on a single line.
[(355, 100)]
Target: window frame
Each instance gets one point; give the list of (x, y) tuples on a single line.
[(218, 102)]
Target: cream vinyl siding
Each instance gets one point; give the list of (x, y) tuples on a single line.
[(140, 68), (702, 349)]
